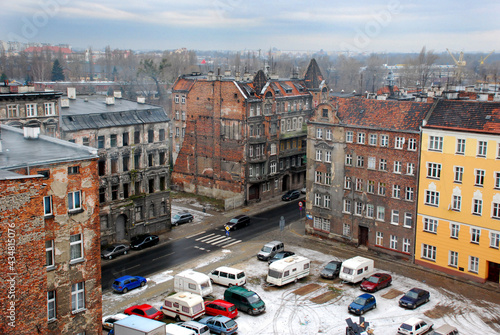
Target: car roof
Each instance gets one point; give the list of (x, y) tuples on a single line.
[(379, 274), (416, 289), (413, 321), (221, 318), (220, 302), (240, 216), (124, 277), (366, 295), (445, 328)]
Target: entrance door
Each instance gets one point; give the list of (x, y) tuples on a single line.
[(493, 272), (120, 227), (253, 192), (286, 181), (363, 235)]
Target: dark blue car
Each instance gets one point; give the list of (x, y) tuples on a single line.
[(414, 298), (362, 304), (127, 283)]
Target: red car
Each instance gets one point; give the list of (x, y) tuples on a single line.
[(376, 282), (221, 307), (146, 311)]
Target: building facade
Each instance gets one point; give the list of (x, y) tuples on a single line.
[(362, 164), (133, 166), (458, 224), (243, 137), (49, 240)]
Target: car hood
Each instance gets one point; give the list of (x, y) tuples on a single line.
[(407, 299), (327, 272), (368, 285), (356, 306)]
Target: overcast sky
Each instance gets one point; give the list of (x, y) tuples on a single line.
[(331, 25)]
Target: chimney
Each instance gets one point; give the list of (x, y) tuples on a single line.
[(117, 94), (210, 76), (141, 100), (31, 133), (71, 93), (64, 102), (227, 73), (238, 77), (110, 100)]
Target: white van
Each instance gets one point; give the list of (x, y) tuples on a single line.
[(183, 306), (227, 276), (355, 269), (287, 270), (173, 329), (270, 249), (194, 282)]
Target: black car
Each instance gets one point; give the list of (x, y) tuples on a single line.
[(182, 218), (144, 241), (331, 270), (414, 298), (280, 255), (290, 195), (238, 222)]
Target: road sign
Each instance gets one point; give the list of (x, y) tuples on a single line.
[(301, 204)]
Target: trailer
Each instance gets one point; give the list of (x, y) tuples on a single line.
[(136, 325), (184, 306), (356, 269), (194, 282), (288, 270)]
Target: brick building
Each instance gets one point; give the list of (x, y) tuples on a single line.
[(243, 137), (23, 106), (49, 241), (362, 163), (131, 139)]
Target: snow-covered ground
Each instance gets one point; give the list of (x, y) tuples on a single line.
[(289, 312)]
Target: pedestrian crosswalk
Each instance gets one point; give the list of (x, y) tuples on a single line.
[(214, 239)]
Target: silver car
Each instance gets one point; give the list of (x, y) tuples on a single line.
[(115, 250)]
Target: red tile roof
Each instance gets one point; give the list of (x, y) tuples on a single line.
[(183, 84), (49, 48)]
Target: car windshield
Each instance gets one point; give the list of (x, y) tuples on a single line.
[(405, 326), (230, 324), (110, 249), (117, 283), (233, 221), (253, 298), (279, 256), (266, 249), (331, 266), (359, 301), (240, 275), (151, 311), (412, 295), (373, 280), (232, 308), (177, 217)]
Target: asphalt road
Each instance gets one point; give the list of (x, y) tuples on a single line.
[(166, 255)]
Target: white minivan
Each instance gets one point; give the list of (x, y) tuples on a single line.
[(227, 276)]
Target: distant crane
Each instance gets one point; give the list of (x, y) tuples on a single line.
[(481, 61), (460, 64)]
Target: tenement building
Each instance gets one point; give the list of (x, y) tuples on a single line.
[(133, 166), (362, 168), (242, 138), (49, 240)]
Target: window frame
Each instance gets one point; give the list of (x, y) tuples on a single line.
[(78, 297), (435, 143), (51, 306), (76, 245), (72, 205), (50, 207), (429, 252)]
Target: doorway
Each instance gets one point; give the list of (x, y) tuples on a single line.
[(120, 227), (493, 272), (363, 235)]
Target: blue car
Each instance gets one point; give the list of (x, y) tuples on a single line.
[(362, 304), (127, 283), (414, 298), (220, 324)]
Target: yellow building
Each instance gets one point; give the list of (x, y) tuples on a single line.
[(458, 220)]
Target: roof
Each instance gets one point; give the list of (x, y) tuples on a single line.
[(183, 84), (313, 77), (355, 261), (284, 263), (140, 323), (476, 116), (92, 113), (21, 152)]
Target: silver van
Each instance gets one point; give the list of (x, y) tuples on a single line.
[(198, 328), (445, 330), (270, 249)]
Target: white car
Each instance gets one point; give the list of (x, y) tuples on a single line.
[(414, 326), (107, 321)]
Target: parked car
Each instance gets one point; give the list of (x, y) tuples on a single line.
[(198, 328), (290, 195), (331, 270), (180, 218), (376, 282), (127, 283), (107, 321), (221, 307), (280, 255), (238, 222), (220, 324), (146, 311), (245, 300), (414, 326), (414, 298), (303, 190), (362, 304), (143, 241), (270, 249), (445, 330), (115, 250)]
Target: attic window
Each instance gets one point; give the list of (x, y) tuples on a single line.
[(72, 119), (488, 117), (362, 111), (104, 116)]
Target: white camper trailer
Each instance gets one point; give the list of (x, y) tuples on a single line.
[(184, 306), (355, 269), (194, 282), (287, 270)]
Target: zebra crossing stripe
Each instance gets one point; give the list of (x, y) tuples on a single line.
[(213, 239), (204, 237), (230, 244)]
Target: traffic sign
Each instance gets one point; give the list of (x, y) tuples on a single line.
[(301, 204)]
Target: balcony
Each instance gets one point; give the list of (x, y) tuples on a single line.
[(257, 139), (257, 159)]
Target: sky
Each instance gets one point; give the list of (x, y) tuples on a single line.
[(240, 25)]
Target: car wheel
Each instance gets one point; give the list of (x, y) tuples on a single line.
[(143, 283), (125, 252), (374, 306), (230, 285), (222, 333), (125, 290), (250, 311), (190, 220), (177, 318), (110, 257)]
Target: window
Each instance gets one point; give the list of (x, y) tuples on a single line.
[(74, 202), (410, 169), (47, 205), (456, 203), (326, 202), (429, 252), (383, 165), (100, 142), (435, 143), (137, 137), (328, 156), (137, 161), (318, 177), (114, 192), (349, 136), (49, 253), (346, 229), (398, 143), (359, 184), (317, 199), (76, 247), (112, 140), (395, 217), (453, 259), (102, 195), (138, 213), (497, 180), (495, 210), (77, 297), (459, 173), (409, 194), (151, 136), (477, 206), (51, 305), (360, 161), (183, 99), (412, 144), (347, 206), (473, 264), (370, 211), (125, 163), (30, 110), (460, 146), (328, 178), (479, 177), (358, 208), (381, 189), (494, 240), (151, 159), (273, 149), (370, 187), (319, 132), (73, 169), (361, 138), (475, 234), (433, 170), (328, 134), (348, 159), (431, 198), (408, 222), (273, 167), (319, 155), (317, 222), (396, 191), (176, 99), (482, 147), (86, 141), (49, 108), (454, 230), (372, 163), (430, 225), (379, 240), (380, 213), (384, 140), (394, 242), (397, 167), (373, 139), (161, 135), (12, 111), (406, 245)]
